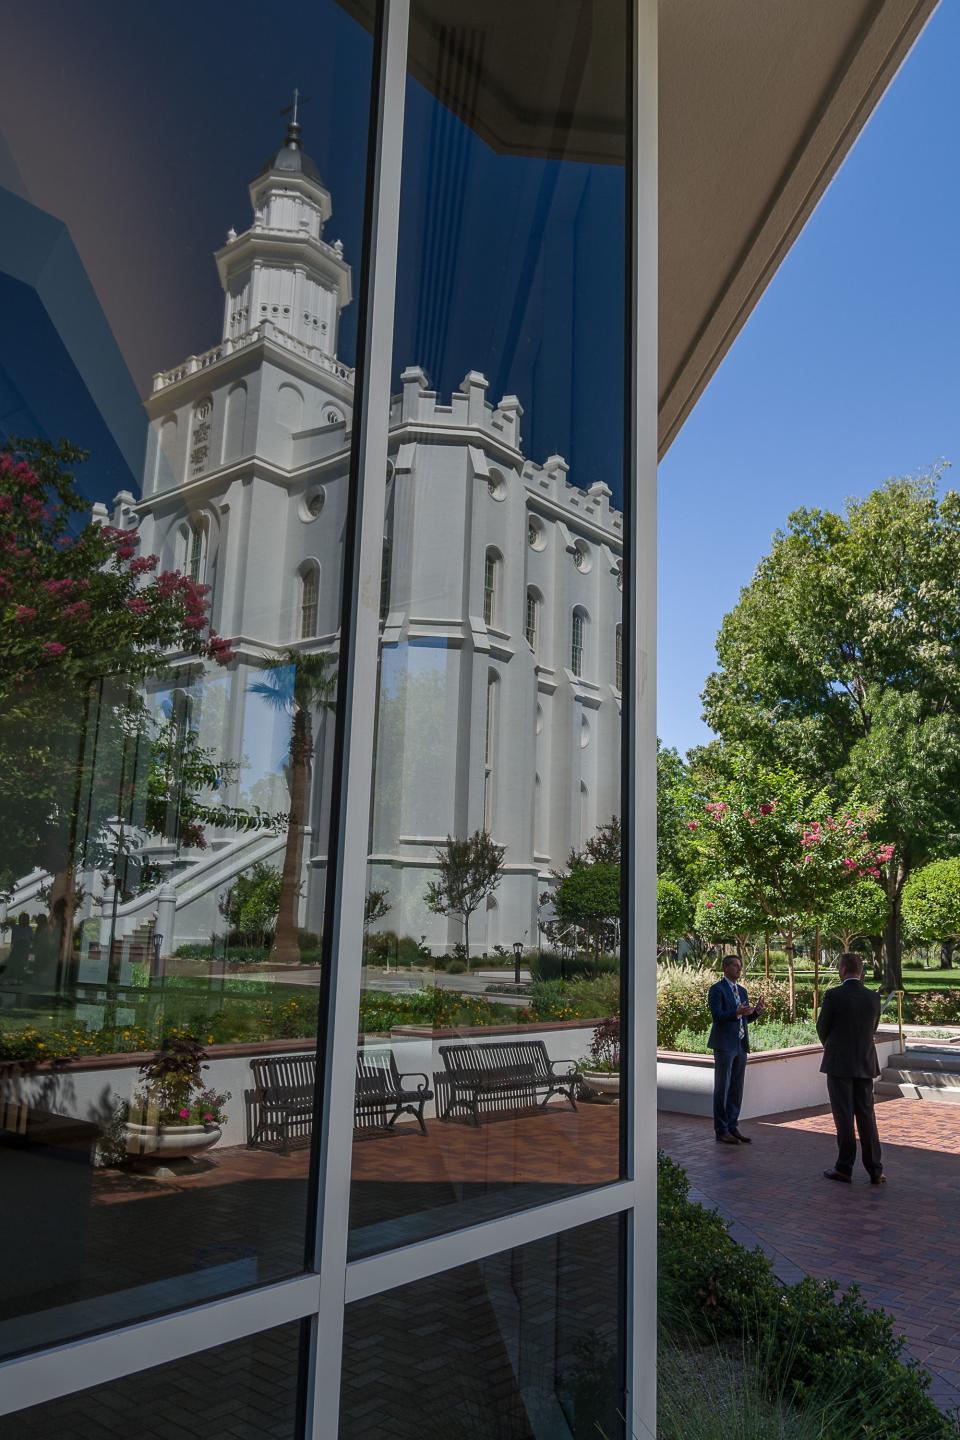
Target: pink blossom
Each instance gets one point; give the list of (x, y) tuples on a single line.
[(79, 610), (708, 904), (58, 587), (143, 563), (207, 1115), (23, 613), (25, 475), (138, 606), (766, 808), (850, 864), (884, 852), (693, 825), (33, 507), (184, 1114), (53, 647), (717, 808), (6, 504)]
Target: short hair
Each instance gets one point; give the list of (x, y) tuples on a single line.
[(730, 960), (850, 963)]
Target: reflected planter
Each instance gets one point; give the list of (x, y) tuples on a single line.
[(170, 1142), (604, 1082)]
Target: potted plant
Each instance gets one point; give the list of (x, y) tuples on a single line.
[(173, 1115), (601, 1069)]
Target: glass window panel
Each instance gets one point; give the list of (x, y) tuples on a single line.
[(523, 1346), (245, 1389), (505, 535), (164, 795)]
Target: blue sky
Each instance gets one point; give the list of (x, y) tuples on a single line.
[(847, 371)]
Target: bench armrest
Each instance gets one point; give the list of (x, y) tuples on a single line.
[(416, 1075), (566, 1074)]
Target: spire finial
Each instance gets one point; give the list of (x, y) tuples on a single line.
[(292, 141)]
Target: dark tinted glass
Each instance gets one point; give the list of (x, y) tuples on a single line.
[(179, 271), (524, 1346), (491, 966), (245, 1389)]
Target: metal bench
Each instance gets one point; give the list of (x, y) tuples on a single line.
[(380, 1084), (501, 1071), (283, 1097)]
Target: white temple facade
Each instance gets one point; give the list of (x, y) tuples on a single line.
[(501, 603)]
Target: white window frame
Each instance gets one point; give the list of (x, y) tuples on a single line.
[(309, 601), (320, 1294)]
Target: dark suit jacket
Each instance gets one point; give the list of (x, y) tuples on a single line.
[(725, 1030), (847, 1024)]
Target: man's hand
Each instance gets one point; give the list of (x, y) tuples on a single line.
[(744, 1009)]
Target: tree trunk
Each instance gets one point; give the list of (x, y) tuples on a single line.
[(876, 946), (892, 956), (946, 954), (791, 974), (285, 950), (466, 937)]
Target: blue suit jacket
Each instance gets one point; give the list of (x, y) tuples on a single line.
[(724, 1032)]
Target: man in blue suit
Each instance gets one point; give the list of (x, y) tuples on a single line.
[(730, 1043)]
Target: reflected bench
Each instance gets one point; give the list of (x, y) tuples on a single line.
[(283, 1096), (500, 1075)]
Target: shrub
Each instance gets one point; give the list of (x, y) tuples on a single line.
[(595, 998), (772, 1035), (550, 966), (456, 967), (933, 1007), (548, 1000), (815, 1342), (309, 940), (682, 1001)]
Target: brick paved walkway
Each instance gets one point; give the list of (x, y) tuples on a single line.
[(901, 1243)]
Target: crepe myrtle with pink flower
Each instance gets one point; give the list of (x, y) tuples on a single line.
[(782, 850), (87, 619)]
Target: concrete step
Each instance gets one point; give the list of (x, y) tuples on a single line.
[(911, 1083), (944, 1059)]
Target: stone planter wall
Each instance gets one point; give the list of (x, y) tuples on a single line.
[(776, 1081)]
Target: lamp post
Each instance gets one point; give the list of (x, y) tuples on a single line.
[(517, 957)]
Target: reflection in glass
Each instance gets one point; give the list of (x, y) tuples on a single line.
[(486, 969), (169, 664), (248, 1387), (523, 1346)]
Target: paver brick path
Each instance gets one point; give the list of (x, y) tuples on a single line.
[(900, 1243)]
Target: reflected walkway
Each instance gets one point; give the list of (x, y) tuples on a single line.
[(900, 1244)]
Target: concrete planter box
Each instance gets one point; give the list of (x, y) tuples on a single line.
[(777, 1080)]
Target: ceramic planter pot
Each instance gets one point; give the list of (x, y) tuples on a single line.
[(606, 1082), (170, 1142)]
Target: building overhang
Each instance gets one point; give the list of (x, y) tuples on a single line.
[(759, 103)]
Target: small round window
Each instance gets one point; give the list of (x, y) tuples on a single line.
[(581, 557), (536, 533), (497, 485), (312, 503)]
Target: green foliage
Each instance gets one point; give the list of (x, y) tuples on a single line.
[(840, 660), (682, 1002), (727, 911), (470, 871), (933, 1007), (768, 1035), (810, 1336), (456, 967), (589, 898), (931, 901), (674, 910), (551, 966), (855, 912), (250, 905)]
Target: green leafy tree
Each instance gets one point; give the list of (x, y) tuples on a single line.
[(297, 684), (842, 660), (589, 898), (855, 912), (86, 619), (674, 911), (728, 912), (251, 904), (469, 872), (931, 906), (785, 849), (376, 906)]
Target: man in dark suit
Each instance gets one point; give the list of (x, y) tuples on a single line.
[(847, 1024), (730, 1043)]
